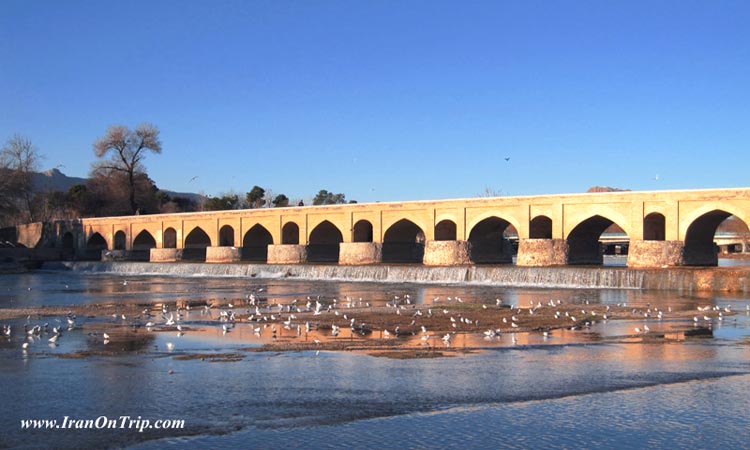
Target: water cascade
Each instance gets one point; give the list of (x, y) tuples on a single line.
[(680, 279)]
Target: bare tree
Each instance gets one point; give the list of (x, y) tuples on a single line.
[(490, 192), (18, 160), (128, 149)]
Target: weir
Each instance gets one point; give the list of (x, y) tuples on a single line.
[(725, 279)]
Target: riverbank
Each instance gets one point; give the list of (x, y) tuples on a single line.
[(681, 279)]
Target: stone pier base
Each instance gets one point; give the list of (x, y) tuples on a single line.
[(447, 253), (356, 253), (542, 252), (165, 254), (656, 253), (223, 254), (287, 254)]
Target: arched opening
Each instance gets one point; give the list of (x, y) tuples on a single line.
[(490, 243), (700, 248), (195, 245), (68, 245), (590, 239), (170, 238), (654, 227), (226, 236), (255, 244), (68, 242), (445, 230), (120, 239), (324, 243), (290, 234), (363, 231), (540, 227), (732, 236), (142, 245), (94, 246), (403, 242)]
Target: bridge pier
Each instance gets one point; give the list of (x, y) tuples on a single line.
[(223, 254), (656, 253), (542, 252), (357, 253), (165, 254), (287, 254), (447, 253)]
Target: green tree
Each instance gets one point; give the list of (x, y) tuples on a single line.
[(223, 203), (280, 201), (254, 198), (127, 149), (328, 198)]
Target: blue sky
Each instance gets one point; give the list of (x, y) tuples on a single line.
[(389, 100)]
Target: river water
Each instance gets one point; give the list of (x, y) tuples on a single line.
[(574, 390)]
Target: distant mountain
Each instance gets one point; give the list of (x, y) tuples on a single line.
[(54, 180), (605, 189)]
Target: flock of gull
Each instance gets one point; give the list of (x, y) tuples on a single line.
[(306, 315)]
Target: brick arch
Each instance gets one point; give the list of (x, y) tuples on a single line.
[(617, 217), (687, 218), (121, 240), (226, 236), (323, 243), (510, 218), (403, 241), (421, 224), (362, 231), (488, 242), (700, 249), (290, 233), (196, 242), (255, 243), (446, 230), (583, 240), (540, 227), (337, 222)]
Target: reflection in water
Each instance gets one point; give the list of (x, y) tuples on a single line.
[(542, 391)]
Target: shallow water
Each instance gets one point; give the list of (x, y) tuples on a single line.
[(567, 391)]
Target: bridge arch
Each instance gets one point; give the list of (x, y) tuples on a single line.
[(142, 245), (654, 227), (362, 231), (170, 238), (403, 242), (700, 249), (489, 243), (255, 244), (540, 227), (120, 240), (96, 242), (144, 241), (583, 240), (290, 234), (226, 236), (445, 230), (324, 243), (195, 245)]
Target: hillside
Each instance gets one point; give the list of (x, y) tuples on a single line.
[(54, 180)]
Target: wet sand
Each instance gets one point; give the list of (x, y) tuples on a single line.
[(394, 328)]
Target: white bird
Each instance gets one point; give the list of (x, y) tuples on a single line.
[(53, 339)]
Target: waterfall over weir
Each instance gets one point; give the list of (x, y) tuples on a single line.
[(566, 277), (680, 279)]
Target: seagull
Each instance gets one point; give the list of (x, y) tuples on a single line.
[(507, 158)]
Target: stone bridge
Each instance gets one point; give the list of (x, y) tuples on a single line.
[(664, 228)]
